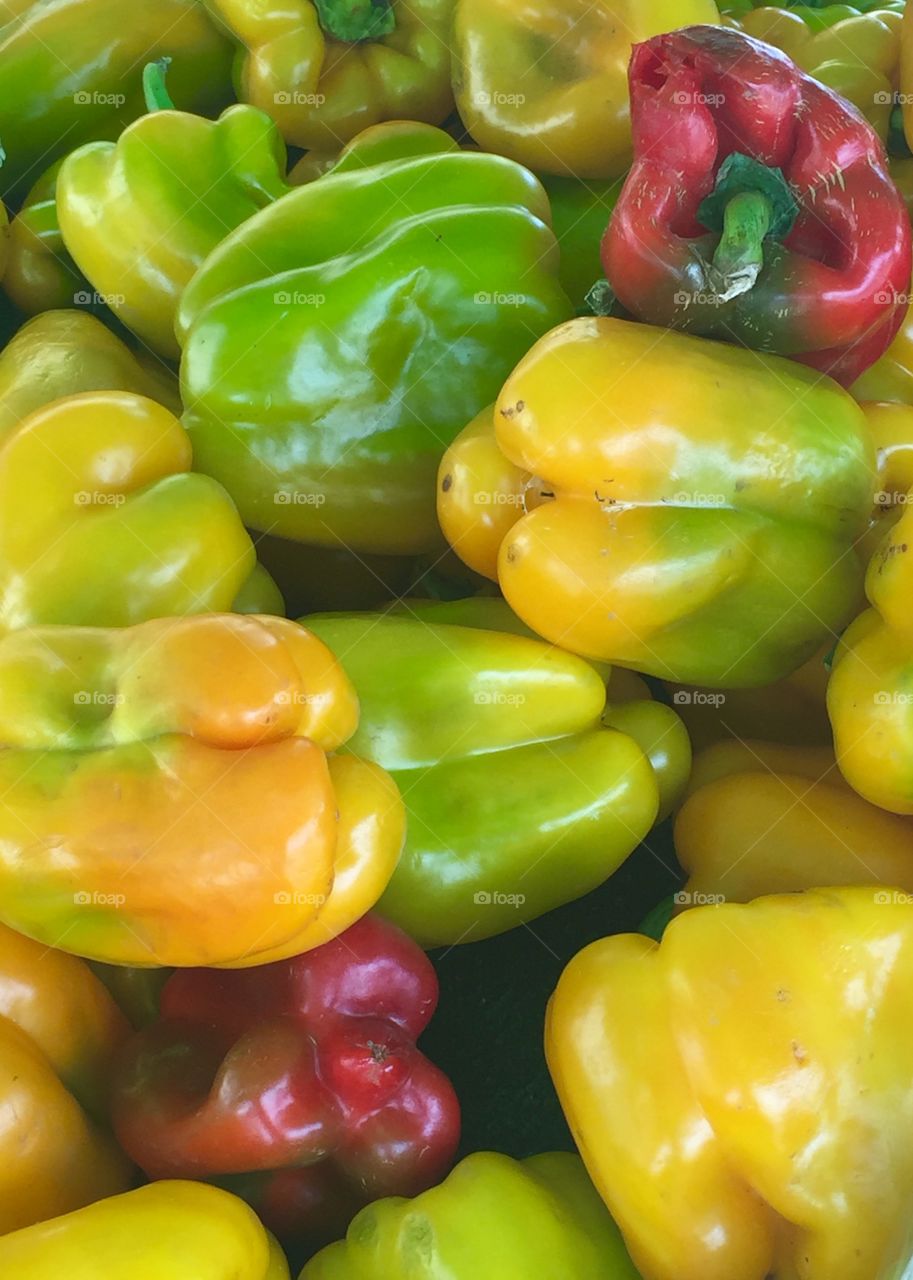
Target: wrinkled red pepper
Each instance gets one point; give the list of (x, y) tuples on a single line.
[(809, 251), (302, 1076)]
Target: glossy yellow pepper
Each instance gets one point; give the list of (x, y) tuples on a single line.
[(740, 1093), (164, 1231), (767, 818), (40, 275), (891, 426), (59, 1030), (170, 783), (546, 83), (635, 512)]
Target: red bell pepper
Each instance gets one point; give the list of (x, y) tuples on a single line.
[(302, 1075), (759, 207)]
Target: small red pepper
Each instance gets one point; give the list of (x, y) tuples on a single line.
[(759, 208), (302, 1076)]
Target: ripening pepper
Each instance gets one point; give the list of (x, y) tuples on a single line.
[(59, 1030), (764, 818), (392, 140), (545, 84), (326, 69), (337, 341), (40, 275), (870, 693), (164, 1231), (741, 1092), (71, 72), (759, 207), (168, 798), (332, 1033), (63, 353), (139, 215), (703, 538), (517, 799), (854, 50), (493, 1218), (103, 522)]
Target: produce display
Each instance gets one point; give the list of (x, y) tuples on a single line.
[(456, 640)]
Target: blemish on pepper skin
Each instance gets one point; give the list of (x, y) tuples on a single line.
[(800, 1054), (510, 410), (512, 554), (447, 482)]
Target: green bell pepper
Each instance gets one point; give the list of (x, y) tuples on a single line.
[(338, 340), (139, 216), (493, 1218), (518, 799), (580, 215), (71, 71)]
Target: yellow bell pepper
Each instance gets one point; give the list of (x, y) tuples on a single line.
[(59, 1030), (768, 818), (546, 83), (740, 1093), (167, 794), (891, 426), (666, 503), (164, 1231)]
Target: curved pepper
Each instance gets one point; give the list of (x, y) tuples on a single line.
[(168, 798), (70, 72), (332, 1034), (324, 373), (59, 1030), (325, 69), (493, 1218), (182, 1230), (809, 245), (392, 140), (63, 353), (40, 275), (776, 819), (740, 1093), (704, 538), (105, 524), (869, 696), (854, 50), (891, 378), (891, 427), (545, 84), (139, 216), (517, 799)]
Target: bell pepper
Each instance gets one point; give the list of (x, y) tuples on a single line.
[(580, 211), (517, 799), (891, 377), (70, 72), (901, 169), (326, 69), (324, 374), (104, 523), (706, 539), (764, 818), (545, 84), (332, 1034), (178, 1230), (891, 426), (392, 140), (59, 1030), (167, 794), (869, 697), (854, 50), (740, 1092), (777, 226), (139, 216), (4, 239), (492, 1219), (63, 353), (40, 275)]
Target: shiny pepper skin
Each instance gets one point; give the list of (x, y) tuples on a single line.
[(303, 1074), (168, 795), (740, 1093)]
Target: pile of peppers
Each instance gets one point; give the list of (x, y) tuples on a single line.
[(456, 640)]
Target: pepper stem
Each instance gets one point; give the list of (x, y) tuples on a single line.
[(739, 257), (353, 20), (156, 95)]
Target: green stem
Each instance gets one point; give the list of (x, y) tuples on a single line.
[(157, 96), (739, 256), (351, 21)]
